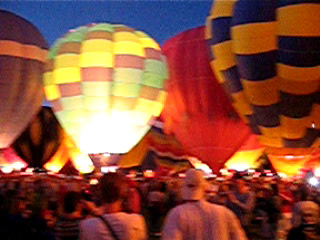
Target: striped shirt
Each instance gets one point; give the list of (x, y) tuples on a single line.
[(67, 228)]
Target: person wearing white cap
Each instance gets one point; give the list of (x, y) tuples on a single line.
[(198, 219)]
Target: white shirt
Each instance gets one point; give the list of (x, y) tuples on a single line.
[(126, 226), (202, 220)]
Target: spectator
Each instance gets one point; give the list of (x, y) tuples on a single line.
[(242, 202), (221, 197), (308, 226), (114, 223), (287, 200), (199, 219), (301, 196), (268, 206), (132, 204), (155, 213), (67, 226)]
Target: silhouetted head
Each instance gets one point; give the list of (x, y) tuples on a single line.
[(113, 187)]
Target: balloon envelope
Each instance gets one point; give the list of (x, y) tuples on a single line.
[(40, 140), (105, 83), (22, 55), (293, 161), (44, 144), (266, 54), (197, 110)]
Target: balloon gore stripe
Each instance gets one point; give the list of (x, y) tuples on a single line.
[(270, 51), (22, 55), (101, 76)]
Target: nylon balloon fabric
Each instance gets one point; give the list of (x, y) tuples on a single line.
[(40, 140), (22, 55), (106, 82), (266, 54), (44, 144), (197, 110)]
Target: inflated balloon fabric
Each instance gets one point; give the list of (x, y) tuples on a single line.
[(40, 140), (266, 53), (22, 56), (198, 111), (105, 83)]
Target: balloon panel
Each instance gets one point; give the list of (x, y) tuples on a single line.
[(266, 55), (247, 156), (69, 169), (22, 55), (69, 159), (44, 144), (294, 165), (40, 140), (105, 83), (197, 110)]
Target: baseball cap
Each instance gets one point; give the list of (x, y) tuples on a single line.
[(194, 185)]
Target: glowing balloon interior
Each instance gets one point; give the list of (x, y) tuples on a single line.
[(22, 55), (198, 110), (105, 83), (266, 54)]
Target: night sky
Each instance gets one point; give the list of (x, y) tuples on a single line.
[(161, 19)]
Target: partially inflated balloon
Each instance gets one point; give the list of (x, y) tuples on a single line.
[(68, 156), (197, 110), (40, 140), (22, 56), (44, 144), (105, 83), (266, 53)]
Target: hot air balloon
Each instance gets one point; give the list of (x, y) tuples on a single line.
[(157, 151), (106, 82), (40, 140), (266, 54), (22, 56), (44, 144), (197, 110), (68, 157)]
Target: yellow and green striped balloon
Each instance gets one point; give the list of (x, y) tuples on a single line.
[(266, 53), (106, 82)]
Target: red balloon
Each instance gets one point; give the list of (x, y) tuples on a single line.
[(197, 111)]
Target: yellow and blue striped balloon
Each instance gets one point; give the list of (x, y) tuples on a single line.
[(266, 53), (105, 82)]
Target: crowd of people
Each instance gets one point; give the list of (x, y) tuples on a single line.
[(42, 207)]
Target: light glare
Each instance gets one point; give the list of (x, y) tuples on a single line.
[(18, 165), (313, 181), (240, 167), (107, 169), (94, 181), (7, 169), (114, 133), (317, 172)]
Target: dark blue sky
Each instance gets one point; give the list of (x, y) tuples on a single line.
[(161, 19)]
